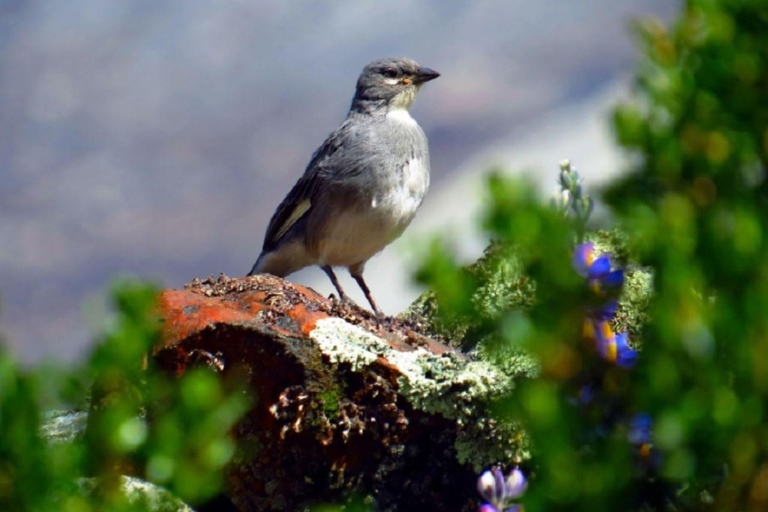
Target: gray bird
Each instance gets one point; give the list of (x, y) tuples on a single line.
[(361, 188)]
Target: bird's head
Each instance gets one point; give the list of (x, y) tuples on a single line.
[(391, 83)]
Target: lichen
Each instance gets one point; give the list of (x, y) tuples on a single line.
[(343, 342), (634, 302), (502, 285), (638, 281), (511, 361), (491, 441), (449, 384), (614, 242), (446, 384)]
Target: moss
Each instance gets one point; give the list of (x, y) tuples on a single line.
[(331, 398)]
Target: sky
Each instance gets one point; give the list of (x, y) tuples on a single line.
[(155, 139)]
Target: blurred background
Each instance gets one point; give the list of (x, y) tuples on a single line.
[(156, 139)]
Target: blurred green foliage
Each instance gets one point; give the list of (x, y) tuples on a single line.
[(173, 432), (692, 219), (696, 206)]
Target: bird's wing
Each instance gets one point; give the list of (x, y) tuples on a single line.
[(300, 199)]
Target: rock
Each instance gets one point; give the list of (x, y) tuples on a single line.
[(345, 405), (141, 495), (63, 426)]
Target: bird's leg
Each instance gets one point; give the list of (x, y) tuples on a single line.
[(360, 281), (332, 276)]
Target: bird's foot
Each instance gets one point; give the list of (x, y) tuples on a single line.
[(345, 300), (380, 316)]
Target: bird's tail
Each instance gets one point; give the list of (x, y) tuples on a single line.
[(256, 269), (284, 260)]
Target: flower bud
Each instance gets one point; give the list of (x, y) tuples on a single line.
[(516, 484), (486, 486)]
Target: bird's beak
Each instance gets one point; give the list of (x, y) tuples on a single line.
[(425, 75)]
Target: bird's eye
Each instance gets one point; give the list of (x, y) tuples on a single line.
[(390, 73)]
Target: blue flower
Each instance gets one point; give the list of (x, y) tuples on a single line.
[(640, 429), (640, 435), (499, 491), (612, 347), (604, 283)]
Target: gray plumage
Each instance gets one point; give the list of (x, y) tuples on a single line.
[(362, 187)]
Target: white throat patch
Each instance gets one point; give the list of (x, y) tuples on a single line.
[(405, 98), (401, 115)]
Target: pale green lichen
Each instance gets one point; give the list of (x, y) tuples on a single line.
[(491, 441), (502, 286), (446, 384), (509, 360), (634, 302), (462, 387), (461, 391), (614, 242), (343, 342)]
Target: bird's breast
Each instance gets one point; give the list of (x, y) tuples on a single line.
[(384, 199), (403, 192)]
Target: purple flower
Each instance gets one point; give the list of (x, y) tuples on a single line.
[(490, 508), (498, 491)]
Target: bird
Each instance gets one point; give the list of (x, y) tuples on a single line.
[(362, 186)]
